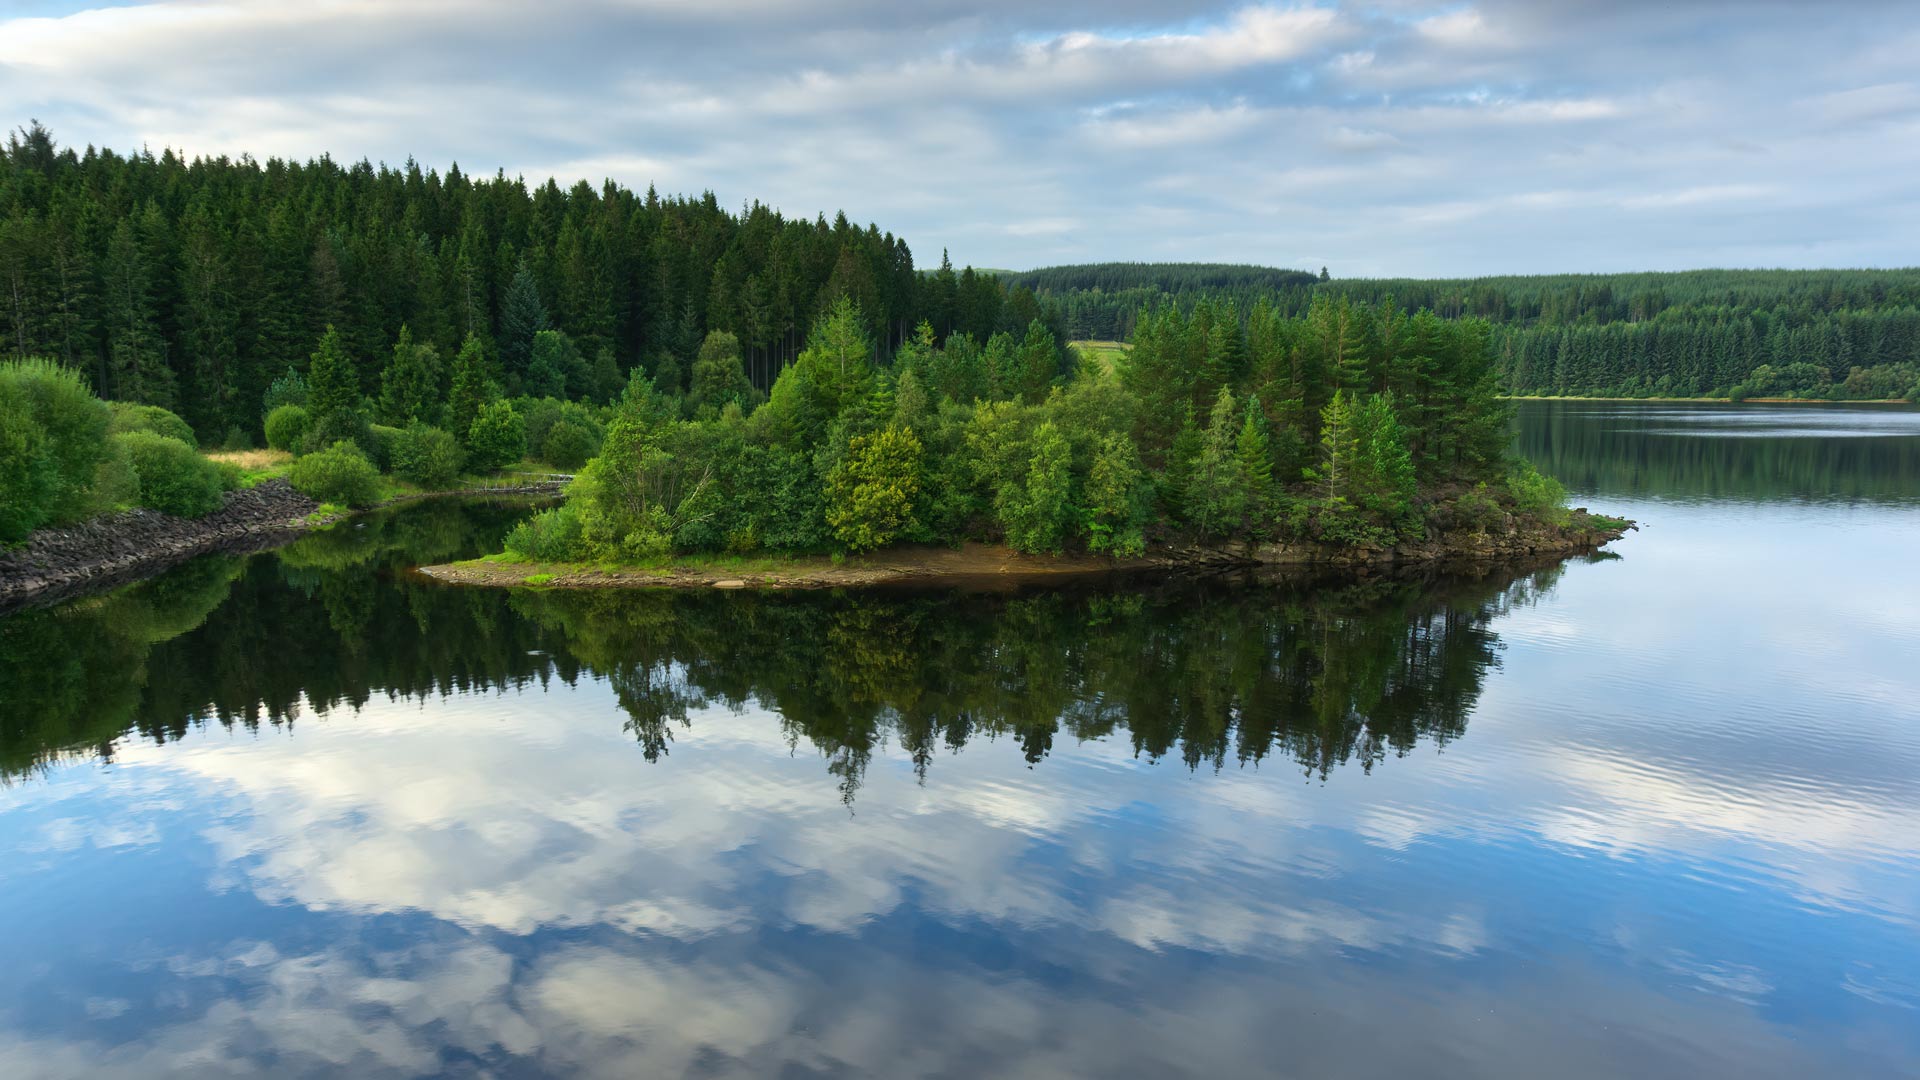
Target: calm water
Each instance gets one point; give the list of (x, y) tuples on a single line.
[(1653, 815)]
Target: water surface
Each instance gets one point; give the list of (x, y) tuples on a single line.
[(304, 813)]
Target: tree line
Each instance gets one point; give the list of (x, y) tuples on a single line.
[(1348, 425), (193, 284), (1843, 334)]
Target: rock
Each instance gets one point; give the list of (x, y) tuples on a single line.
[(730, 583)]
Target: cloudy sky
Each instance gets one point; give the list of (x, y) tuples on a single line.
[(1398, 137)]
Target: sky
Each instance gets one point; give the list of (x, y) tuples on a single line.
[(1397, 138)]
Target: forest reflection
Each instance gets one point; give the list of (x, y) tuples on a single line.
[(1208, 673), (1751, 453)]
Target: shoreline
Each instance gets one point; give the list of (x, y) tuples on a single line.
[(980, 565), (1713, 400), (65, 561)]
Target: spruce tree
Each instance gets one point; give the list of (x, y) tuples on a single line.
[(521, 317), (332, 386)]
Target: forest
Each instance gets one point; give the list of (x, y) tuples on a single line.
[(1330, 427), (1827, 334), (193, 285)]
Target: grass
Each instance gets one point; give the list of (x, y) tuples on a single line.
[(537, 579), (253, 466), (1101, 355)]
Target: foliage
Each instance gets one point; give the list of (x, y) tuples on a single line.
[(286, 427), (171, 476), (290, 388), (411, 386), (552, 535), (568, 445), (340, 473), (870, 493), (497, 438), (52, 446), (332, 384), (428, 456), (351, 425), (1537, 495), (130, 417)]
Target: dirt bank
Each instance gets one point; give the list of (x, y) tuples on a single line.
[(987, 565)]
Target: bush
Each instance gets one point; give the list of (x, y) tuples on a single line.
[(130, 417), (53, 443), (236, 438), (348, 425), (496, 438), (428, 456), (338, 474), (1538, 495), (385, 439), (568, 445), (173, 478), (548, 536), (287, 427), (289, 389)]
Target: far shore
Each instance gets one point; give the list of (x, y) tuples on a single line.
[(1722, 400)]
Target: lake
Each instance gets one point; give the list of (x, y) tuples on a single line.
[(1654, 813)]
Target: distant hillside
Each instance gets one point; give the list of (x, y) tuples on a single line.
[(1851, 334), (1167, 277)]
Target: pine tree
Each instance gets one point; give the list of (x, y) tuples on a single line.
[(411, 387), (521, 317), (1254, 449), (471, 389), (332, 386)]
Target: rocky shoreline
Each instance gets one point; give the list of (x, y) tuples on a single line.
[(113, 549), (992, 566)]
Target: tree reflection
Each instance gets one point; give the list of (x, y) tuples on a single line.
[(1210, 674), (1319, 675)]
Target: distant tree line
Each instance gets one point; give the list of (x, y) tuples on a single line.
[(1847, 334)]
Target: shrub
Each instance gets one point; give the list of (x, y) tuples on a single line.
[(338, 474), (349, 425), (53, 442), (130, 417), (287, 427), (236, 438), (568, 445), (428, 456), (496, 438), (173, 478), (548, 536), (289, 389), (385, 439), (1538, 495)]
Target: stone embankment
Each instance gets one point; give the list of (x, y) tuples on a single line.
[(112, 549), (68, 559)]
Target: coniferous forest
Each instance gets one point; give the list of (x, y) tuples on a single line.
[(194, 284), (1840, 334)]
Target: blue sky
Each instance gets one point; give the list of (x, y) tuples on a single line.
[(1399, 137)]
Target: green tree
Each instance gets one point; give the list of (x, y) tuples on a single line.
[(1217, 490), (719, 375), (332, 385), (497, 438), (870, 494), (471, 389), (1254, 448), (522, 316), (410, 387), (1119, 498), (1041, 512)]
